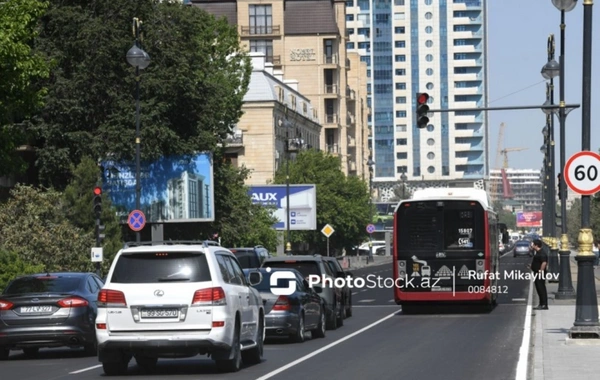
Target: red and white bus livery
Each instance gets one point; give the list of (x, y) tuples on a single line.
[(445, 248)]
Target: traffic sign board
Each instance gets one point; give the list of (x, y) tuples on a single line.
[(370, 228), (327, 230), (136, 220), (582, 172)]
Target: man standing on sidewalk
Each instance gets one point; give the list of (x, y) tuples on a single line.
[(538, 267)]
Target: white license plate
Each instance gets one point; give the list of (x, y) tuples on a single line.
[(36, 309), (160, 313)]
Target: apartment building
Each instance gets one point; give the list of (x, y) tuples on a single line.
[(526, 186), (433, 46), (306, 41)]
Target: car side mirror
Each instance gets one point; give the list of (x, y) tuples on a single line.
[(254, 278), (318, 289)]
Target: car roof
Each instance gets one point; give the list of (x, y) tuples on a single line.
[(294, 258), (58, 274), (173, 248), (264, 270)]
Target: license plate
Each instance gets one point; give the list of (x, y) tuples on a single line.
[(36, 309), (160, 313)]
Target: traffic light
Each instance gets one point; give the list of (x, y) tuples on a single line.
[(559, 193), (97, 201), (422, 109), (99, 233)]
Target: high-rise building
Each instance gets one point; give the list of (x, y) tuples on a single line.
[(433, 46), (186, 197)]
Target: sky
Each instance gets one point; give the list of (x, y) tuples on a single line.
[(518, 32)]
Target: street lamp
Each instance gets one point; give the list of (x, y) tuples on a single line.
[(370, 164), (586, 315), (565, 284), (139, 59), (403, 178)]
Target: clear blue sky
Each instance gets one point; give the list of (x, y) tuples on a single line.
[(518, 32)]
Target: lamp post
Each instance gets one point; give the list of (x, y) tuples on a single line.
[(586, 315), (139, 59), (565, 283), (403, 178), (370, 164)]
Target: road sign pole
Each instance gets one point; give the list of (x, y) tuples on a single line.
[(328, 247)]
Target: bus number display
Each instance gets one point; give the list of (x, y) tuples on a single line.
[(465, 231)]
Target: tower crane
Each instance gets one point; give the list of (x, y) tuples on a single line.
[(507, 190), (502, 164)]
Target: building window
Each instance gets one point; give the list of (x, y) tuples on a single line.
[(399, 16), (429, 43), (428, 2), (430, 128), (428, 30), (400, 58), (428, 16), (349, 17), (430, 142), (431, 169), (364, 5), (349, 45), (400, 29), (429, 57), (401, 86), (431, 155), (263, 46), (400, 71), (400, 44), (429, 86), (401, 141), (261, 19), (398, 2), (400, 113), (400, 99), (460, 56), (401, 156), (401, 128), (429, 71)]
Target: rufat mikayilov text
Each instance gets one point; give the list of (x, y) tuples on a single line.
[(514, 274)]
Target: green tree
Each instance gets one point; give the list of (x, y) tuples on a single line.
[(11, 266), (342, 201), (574, 221), (191, 94), (33, 224), (79, 197), (19, 66)]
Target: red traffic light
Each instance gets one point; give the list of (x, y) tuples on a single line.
[(97, 190), (422, 98)]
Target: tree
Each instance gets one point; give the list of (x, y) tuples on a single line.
[(342, 202), (78, 198), (19, 66), (191, 94), (11, 266), (33, 224), (574, 221)]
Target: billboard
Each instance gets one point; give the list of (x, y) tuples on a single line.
[(303, 204), (529, 219), (173, 189)]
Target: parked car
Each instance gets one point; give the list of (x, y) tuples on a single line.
[(178, 300), (252, 257), (523, 248), (49, 310), (293, 314), (338, 271), (315, 265)]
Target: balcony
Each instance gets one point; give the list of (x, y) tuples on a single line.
[(333, 149), (233, 142), (331, 119), (330, 59), (351, 142), (331, 89), (263, 30), (274, 59), (351, 165), (350, 94), (351, 120)]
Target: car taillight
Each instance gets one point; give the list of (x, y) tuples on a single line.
[(210, 296), (5, 305), (282, 304), (108, 297), (72, 302)]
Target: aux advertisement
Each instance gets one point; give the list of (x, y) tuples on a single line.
[(303, 204), (173, 189), (529, 219)]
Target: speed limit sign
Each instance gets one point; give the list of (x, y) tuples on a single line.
[(582, 173)]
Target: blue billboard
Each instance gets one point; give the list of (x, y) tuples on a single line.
[(303, 204), (173, 189)]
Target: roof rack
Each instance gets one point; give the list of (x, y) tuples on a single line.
[(204, 243)]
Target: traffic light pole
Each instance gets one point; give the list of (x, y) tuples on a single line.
[(509, 108)]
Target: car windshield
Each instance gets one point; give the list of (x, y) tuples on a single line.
[(306, 268), (247, 259), (142, 268), (49, 284)]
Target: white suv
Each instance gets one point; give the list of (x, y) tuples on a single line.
[(178, 300)]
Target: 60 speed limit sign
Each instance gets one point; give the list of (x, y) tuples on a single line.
[(582, 173)]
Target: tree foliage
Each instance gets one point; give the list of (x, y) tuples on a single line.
[(190, 95), (11, 266), (33, 225), (342, 201), (19, 67)]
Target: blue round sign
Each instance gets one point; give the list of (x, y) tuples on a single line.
[(370, 228), (136, 220)]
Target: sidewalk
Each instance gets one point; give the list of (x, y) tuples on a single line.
[(555, 355), (357, 262)]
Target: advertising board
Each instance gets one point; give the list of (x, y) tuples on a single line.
[(173, 189), (529, 219), (303, 204)]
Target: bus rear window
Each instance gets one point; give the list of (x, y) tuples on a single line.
[(436, 225)]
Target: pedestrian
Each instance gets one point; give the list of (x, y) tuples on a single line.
[(538, 267)]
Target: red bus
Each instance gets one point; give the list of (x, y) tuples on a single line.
[(445, 249)]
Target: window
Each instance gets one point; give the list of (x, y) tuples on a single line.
[(263, 46), (400, 44), (401, 128), (261, 19), (428, 30), (144, 268), (429, 86), (431, 155), (400, 58), (349, 45), (429, 43), (398, 2), (92, 285), (430, 142), (400, 71), (401, 155), (364, 5), (400, 113), (401, 141), (429, 71), (399, 16), (431, 169), (428, 16), (399, 30), (401, 86), (429, 57), (428, 2), (349, 17), (237, 269), (400, 99)]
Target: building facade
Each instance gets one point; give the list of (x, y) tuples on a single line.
[(306, 40), (433, 46), (526, 186)]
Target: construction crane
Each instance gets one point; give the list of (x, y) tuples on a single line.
[(507, 190), (502, 165)]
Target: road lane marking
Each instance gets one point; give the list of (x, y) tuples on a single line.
[(333, 344), (354, 293), (522, 365), (364, 290), (392, 300), (85, 369), (519, 299), (371, 300)]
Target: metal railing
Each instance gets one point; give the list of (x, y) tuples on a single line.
[(260, 30)]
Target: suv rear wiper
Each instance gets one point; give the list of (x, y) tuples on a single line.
[(167, 279)]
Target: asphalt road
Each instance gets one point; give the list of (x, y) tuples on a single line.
[(377, 342)]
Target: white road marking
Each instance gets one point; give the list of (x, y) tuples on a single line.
[(333, 344), (522, 365), (85, 369), (364, 290), (392, 300), (371, 300), (519, 300), (354, 293)]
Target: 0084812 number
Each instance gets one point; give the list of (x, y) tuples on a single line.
[(500, 289)]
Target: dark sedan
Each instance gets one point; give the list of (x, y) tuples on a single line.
[(522, 248), (290, 315), (49, 310)]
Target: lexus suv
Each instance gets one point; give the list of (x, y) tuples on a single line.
[(178, 300)]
